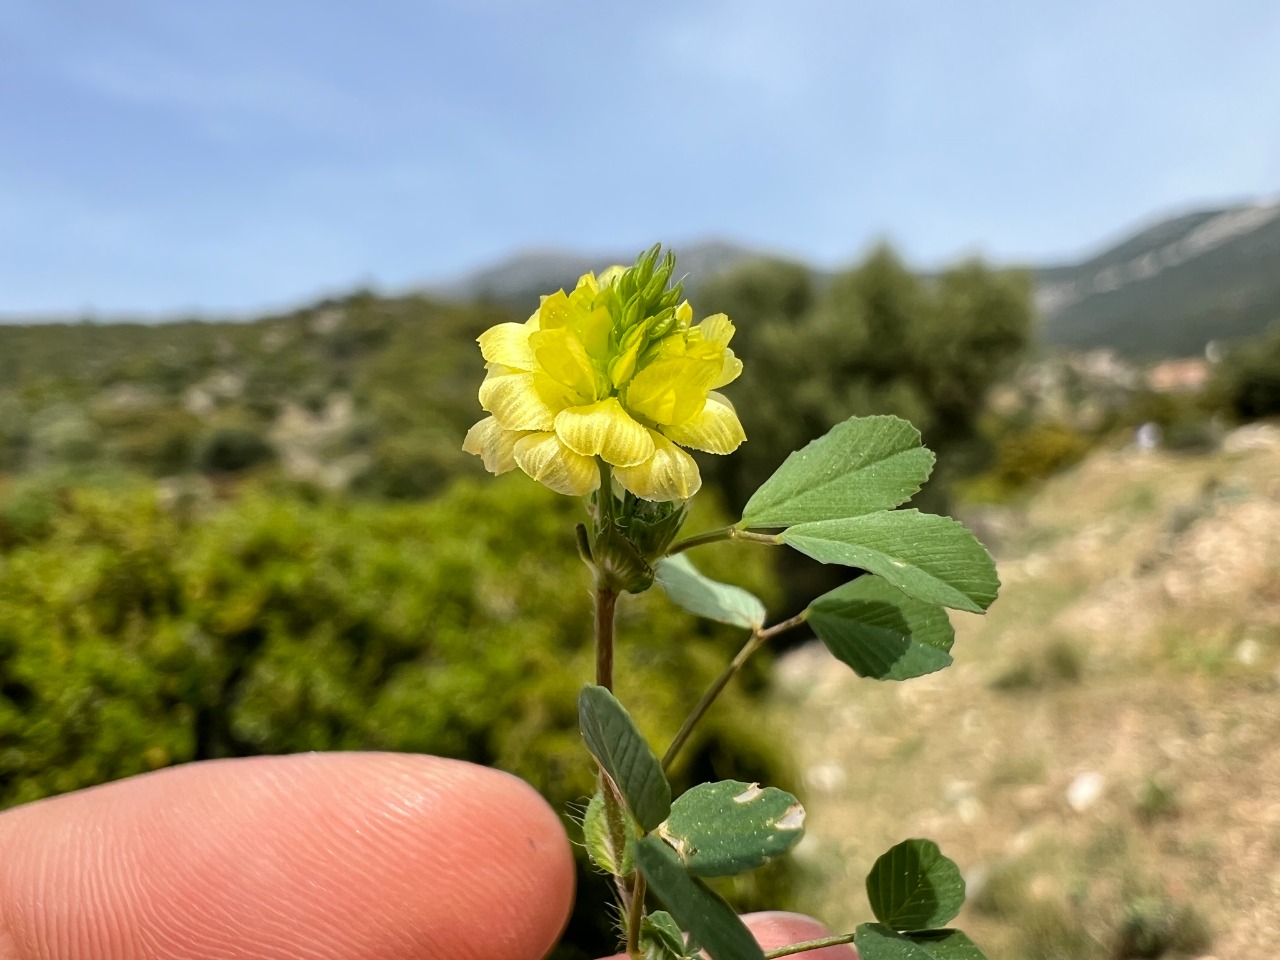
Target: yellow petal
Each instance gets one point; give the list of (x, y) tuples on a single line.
[(562, 357), (717, 329), (515, 402), (604, 429), (670, 474), (671, 390), (496, 446), (715, 430), (544, 457), (684, 315), (554, 311), (610, 276), (508, 344), (729, 370)]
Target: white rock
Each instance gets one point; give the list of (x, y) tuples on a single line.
[(1085, 790)]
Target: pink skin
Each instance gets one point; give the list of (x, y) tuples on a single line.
[(310, 857)]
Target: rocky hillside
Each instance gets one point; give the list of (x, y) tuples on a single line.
[(1171, 288), (1102, 758)]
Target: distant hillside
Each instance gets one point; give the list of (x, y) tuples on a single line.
[(1165, 291), (1172, 287), (521, 279)]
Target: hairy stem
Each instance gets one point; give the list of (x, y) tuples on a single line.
[(809, 945), (758, 639), (614, 810), (635, 915)]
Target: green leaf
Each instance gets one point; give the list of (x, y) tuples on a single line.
[(709, 920), (932, 558), (914, 887), (880, 631), (624, 755), (689, 589), (660, 938), (599, 840), (876, 942), (726, 828), (860, 466)]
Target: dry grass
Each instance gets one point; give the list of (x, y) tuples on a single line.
[(1103, 759)]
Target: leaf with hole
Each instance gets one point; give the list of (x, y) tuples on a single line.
[(726, 828), (708, 919), (932, 558), (877, 942), (862, 465), (881, 632), (613, 739), (691, 590), (914, 887)]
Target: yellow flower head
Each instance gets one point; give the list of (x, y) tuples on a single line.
[(614, 370)]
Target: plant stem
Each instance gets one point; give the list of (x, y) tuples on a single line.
[(606, 605), (724, 533), (758, 639), (712, 536), (635, 915), (810, 945)]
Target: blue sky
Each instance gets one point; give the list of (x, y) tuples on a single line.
[(162, 155)]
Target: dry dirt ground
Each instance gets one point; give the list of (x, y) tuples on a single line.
[(1103, 758)]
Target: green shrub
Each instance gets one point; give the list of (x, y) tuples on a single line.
[(232, 449), (132, 637)]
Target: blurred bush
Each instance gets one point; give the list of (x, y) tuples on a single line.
[(1247, 379), (133, 636)]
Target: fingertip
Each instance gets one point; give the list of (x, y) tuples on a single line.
[(777, 928), (317, 855)]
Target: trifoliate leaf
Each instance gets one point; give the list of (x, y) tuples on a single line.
[(881, 632), (914, 887), (726, 828), (708, 919), (877, 942), (860, 466), (613, 739), (691, 590), (931, 558)]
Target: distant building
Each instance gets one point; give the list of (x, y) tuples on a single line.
[(1179, 376)]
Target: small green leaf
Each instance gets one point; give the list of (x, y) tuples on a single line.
[(860, 466), (709, 920), (624, 755), (880, 631), (877, 942), (660, 938), (691, 590), (914, 887), (932, 558), (599, 840), (726, 828)]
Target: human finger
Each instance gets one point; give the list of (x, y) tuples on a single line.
[(308, 857)]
